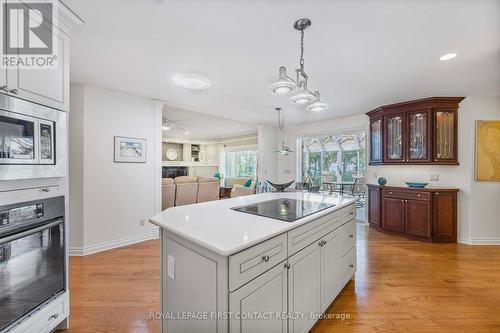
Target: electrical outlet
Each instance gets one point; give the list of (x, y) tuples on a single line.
[(434, 177), (171, 267)]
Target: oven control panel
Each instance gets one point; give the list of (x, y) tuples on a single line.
[(21, 214)]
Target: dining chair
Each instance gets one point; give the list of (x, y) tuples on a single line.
[(358, 190), (327, 180)]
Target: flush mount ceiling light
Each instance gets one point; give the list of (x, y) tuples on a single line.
[(192, 81), (447, 56), (287, 85)]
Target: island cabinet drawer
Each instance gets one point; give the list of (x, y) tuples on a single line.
[(409, 194), (248, 264), (347, 236), (308, 233), (348, 213)]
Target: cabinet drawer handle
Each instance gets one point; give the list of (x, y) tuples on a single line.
[(54, 316), (351, 236), (322, 243), (351, 213), (14, 91), (4, 88), (418, 195), (390, 192), (265, 258), (351, 265), (287, 265)]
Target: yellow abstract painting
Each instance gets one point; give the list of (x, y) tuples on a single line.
[(488, 150)]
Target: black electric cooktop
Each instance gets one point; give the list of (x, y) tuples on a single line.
[(288, 210)]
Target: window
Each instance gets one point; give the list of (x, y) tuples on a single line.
[(340, 156), (241, 163)]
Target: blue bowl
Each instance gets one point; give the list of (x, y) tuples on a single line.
[(416, 184)]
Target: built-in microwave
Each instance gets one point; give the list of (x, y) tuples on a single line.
[(32, 140), (26, 140)]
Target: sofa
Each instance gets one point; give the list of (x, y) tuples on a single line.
[(168, 193), (185, 190), (238, 186), (208, 189)]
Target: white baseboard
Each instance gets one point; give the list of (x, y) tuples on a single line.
[(479, 241), (79, 251), (465, 241)]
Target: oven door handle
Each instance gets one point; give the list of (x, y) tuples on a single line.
[(29, 232)]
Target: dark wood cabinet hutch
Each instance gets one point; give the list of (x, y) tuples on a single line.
[(428, 213), (423, 131)]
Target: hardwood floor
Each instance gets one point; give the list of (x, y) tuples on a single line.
[(401, 286)]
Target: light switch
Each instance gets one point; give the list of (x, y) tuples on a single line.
[(171, 267), (434, 177)]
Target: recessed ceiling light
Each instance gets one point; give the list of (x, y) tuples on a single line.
[(192, 81), (187, 133), (448, 56), (167, 128)]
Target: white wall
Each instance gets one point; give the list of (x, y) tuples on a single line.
[(478, 202), (75, 174), (267, 137), (485, 196), (116, 199)]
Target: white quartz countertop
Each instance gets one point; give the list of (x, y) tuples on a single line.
[(215, 226)]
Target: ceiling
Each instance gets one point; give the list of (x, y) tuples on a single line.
[(186, 124), (358, 54)]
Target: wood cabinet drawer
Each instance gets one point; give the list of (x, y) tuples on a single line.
[(248, 264), (304, 235), (347, 236), (348, 213), (410, 194)]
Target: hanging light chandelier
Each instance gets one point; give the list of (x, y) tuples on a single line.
[(286, 85), (284, 150)]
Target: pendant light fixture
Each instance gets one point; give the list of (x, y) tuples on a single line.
[(286, 85), (317, 105), (281, 126)]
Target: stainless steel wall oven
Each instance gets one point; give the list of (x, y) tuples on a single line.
[(32, 257)]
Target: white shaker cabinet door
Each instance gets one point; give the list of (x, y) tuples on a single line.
[(46, 86), (304, 288), (332, 275), (3, 70), (264, 296)]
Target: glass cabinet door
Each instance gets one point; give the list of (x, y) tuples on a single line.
[(394, 126), (418, 139), (444, 148), (376, 140)]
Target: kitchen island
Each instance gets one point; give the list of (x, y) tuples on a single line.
[(224, 270)]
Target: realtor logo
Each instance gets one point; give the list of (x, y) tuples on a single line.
[(28, 38)]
